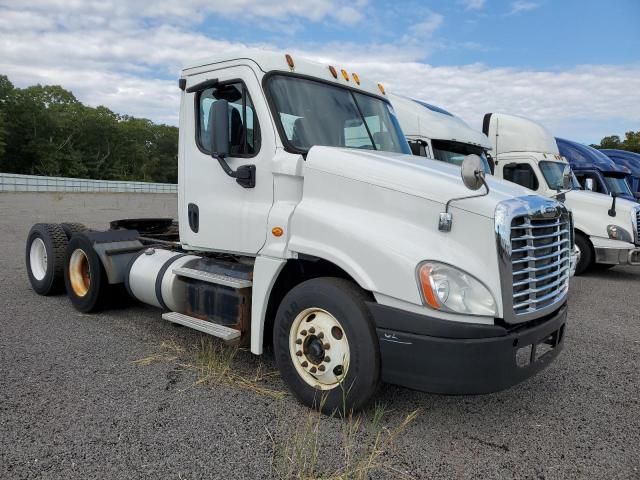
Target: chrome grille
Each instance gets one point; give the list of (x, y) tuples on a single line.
[(638, 226), (534, 240), (540, 259)]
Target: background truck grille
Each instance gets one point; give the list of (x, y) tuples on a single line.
[(638, 226), (540, 261)]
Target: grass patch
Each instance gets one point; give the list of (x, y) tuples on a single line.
[(215, 363), (169, 351), (360, 451)]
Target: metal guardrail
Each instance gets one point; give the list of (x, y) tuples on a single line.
[(10, 182)]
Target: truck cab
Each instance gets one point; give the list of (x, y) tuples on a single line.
[(433, 132), (631, 161), (525, 152), (306, 227), (595, 171)]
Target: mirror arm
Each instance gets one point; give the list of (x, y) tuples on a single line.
[(225, 166), (245, 175), (446, 218), (484, 182), (612, 210)]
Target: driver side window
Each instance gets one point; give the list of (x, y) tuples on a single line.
[(522, 174), (244, 131)]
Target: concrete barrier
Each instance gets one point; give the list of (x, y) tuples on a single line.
[(10, 182)]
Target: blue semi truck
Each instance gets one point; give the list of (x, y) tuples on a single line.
[(630, 160), (594, 170)]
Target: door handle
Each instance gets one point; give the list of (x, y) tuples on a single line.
[(193, 214)]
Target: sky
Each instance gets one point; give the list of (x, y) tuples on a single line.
[(572, 65)]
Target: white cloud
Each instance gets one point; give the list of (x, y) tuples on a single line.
[(473, 4), (428, 26), (520, 6), (132, 67), (191, 11)]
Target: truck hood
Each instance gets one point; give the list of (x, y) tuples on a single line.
[(418, 176), (597, 202)]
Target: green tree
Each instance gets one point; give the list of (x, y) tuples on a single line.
[(631, 142), (52, 133)]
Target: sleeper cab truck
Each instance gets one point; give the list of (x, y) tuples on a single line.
[(433, 132), (305, 224), (631, 161), (606, 229), (595, 171)]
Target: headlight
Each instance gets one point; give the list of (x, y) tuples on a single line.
[(448, 289), (618, 233)]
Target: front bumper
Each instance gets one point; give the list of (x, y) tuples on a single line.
[(447, 357), (618, 256)]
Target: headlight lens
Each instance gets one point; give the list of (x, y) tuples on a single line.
[(448, 289), (618, 233)]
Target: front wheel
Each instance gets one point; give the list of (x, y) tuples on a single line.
[(326, 346), (585, 260)]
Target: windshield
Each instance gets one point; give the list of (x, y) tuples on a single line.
[(617, 185), (454, 152), (316, 113), (553, 173)]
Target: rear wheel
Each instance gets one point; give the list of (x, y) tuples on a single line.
[(585, 261), (71, 228), (326, 346), (86, 281), (46, 245)]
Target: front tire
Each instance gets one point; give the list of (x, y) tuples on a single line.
[(586, 254), (326, 346), (46, 246)]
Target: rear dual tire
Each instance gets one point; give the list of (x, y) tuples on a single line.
[(86, 281), (45, 254)]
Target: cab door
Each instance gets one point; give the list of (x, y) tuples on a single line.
[(217, 213)]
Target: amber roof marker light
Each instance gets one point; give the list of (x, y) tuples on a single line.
[(381, 88), (289, 59), (356, 78), (345, 75), (333, 71)]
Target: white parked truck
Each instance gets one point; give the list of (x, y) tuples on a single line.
[(305, 224), (607, 229), (526, 153), (435, 133)]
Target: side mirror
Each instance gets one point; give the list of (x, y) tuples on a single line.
[(588, 184), (566, 178), (245, 175), (472, 172), (219, 128)]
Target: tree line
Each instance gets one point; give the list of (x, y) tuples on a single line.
[(46, 130), (631, 142)]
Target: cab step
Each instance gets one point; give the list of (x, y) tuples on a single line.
[(220, 331), (210, 277)]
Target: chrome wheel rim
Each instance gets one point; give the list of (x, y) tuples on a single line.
[(79, 272), (38, 259), (319, 348)]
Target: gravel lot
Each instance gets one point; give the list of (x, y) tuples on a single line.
[(73, 404)]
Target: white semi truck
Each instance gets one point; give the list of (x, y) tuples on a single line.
[(305, 224), (435, 133), (607, 229), (524, 152)]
